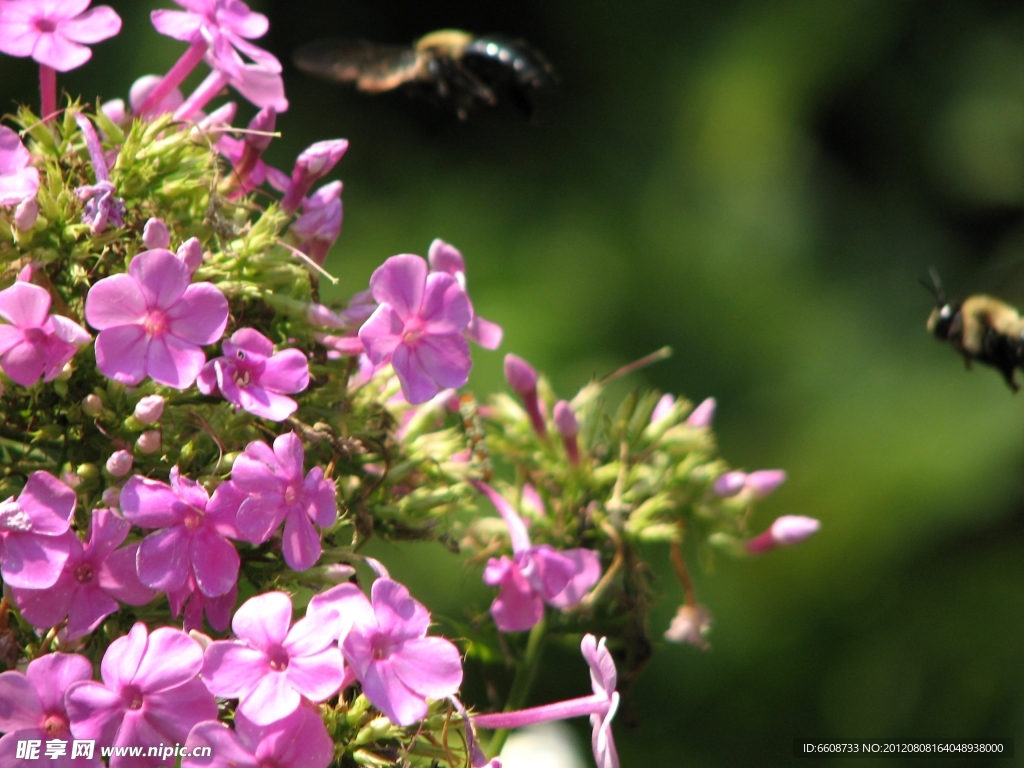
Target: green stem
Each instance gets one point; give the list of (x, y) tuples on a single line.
[(521, 683)]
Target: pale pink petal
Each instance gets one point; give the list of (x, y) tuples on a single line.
[(200, 316), (160, 276), (266, 405), (444, 257), (172, 658), (123, 656), (485, 333), (387, 693), (33, 561), (398, 615), (172, 712), (25, 363), (258, 518), (121, 353), (286, 372), (301, 542), (61, 54), (95, 712), (150, 503), (343, 606), (115, 301), (226, 751), (317, 676), (119, 578), (24, 305), (272, 698), (381, 334), (9, 338), (517, 607), (53, 674), (163, 560), (431, 666), (174, 362), (231, 668), (586, 573), (45, 608), (445, 306), (20, 706), (90, 606), (176, 24), (290, 454), (445, 359), (400, 282), (94, 25), (298, 741), (320, 499), (417, 385), (264, 620), (215, 563), (68, 330)]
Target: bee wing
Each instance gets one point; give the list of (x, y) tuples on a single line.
[(373, 68)]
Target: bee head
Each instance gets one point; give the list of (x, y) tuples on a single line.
[(942, 318)]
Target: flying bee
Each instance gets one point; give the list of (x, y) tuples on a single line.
[(979, 328), (456, 67)]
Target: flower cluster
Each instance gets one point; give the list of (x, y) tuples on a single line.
[(184, 423)]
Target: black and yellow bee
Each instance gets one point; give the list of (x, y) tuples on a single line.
[(980, 328), (459, 68)]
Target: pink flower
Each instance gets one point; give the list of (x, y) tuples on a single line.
[(51, 32), (272, 664), (690, 625), (32, 709), (194, 534), (385, 644), (34, 538), (447, 258), (252, 377), (701, 416), (214, 20), (784, 532), (152, 322), (297, 741), (535, 575), (418, 327), (94, 579), (601, 706), (190, 599), (19, 180), (272, 480), (36, 343), (522, 377), (320, 223), (149, 694), (568, 427), (315, 162)]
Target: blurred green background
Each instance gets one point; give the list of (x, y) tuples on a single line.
[(759, 185)]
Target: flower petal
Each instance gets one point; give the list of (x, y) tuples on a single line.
[(301, 542), (24, 305), (163, 559), (215, 563), (264, 620), (445, 307), (121, 353), (201, 314), (430, 666), (94, 25), (173, 361), (115, 301), (400, 282), (272, 698), (172, 658)]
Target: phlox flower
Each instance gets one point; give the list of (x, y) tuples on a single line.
[(36, 343), (384, 642), (312, 164), (418, 327), (52, 32), (444, 257), (193, 535), (153, 323), (784, 532), (19, 179), (34, 538), (32, 709), (272, 479), (320, 223), (149, 694), (534, 575), (95, 577), (601, 706), (297, 741), (272, 664), (690, 625), (250, 376)]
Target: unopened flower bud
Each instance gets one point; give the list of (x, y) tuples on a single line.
[(568, 428), (87, 471), (664, 407), (730, 484), (521, 376), (336, 573), (149, 442), (784, 532), (690, 625), (66, 371), (114, 110), (119, 464), (763, 482), (701, 416), (112, 496), (149, 409), (92, 405), (155, 234), (191, 252), (25, 214)]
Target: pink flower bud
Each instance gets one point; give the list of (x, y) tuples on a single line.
[(149, 409), (155, 234), (690, 625), (568, 428), (114, 110), (701, 416), (120, 463), (263, 123), (92, 405), (784, 532), (664, 407), (112, 496), (730, 483), (25, 214), (315, 162), (337, 573), (149, 442), (763, 482), (144, 86), (191, 252), (520, 375)]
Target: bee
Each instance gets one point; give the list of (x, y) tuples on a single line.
[(979, 328), (456, 67)]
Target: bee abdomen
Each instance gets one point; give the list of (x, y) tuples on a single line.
[(526, 65)]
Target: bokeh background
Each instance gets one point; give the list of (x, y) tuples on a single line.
[(759, 185)]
